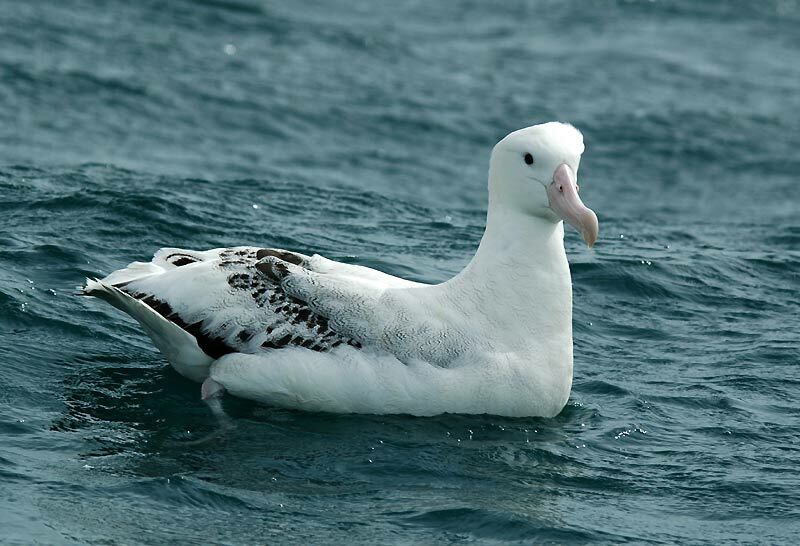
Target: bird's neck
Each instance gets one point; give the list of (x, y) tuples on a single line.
[(520, 269), (519, 245)]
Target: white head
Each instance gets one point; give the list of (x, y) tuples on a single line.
[(534, 171)]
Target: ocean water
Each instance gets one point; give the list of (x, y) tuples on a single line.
[(362, 132)]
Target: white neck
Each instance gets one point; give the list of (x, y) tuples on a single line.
[(519, 278), (515, 240)]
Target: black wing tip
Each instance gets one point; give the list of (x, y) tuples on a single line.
[(273, 268), (284, 255), (179, 259), (212, 345)]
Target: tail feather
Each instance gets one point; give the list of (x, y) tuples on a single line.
[(178, 345), (163, 260), (133, 271), (169, 258)]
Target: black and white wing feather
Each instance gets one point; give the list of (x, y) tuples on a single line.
[(223, 301)]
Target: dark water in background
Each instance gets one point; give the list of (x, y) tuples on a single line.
[(363, 133)]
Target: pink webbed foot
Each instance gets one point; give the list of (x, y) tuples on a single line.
[(211, 393)]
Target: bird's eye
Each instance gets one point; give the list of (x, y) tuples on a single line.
[(528, 159)]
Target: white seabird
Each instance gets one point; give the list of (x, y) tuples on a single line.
[(310, 333)]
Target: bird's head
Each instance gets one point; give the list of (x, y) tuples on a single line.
[(535, 169)]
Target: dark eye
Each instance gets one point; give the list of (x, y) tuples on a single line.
[(528, 159)]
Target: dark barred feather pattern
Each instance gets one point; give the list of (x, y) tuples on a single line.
[(288, 321)]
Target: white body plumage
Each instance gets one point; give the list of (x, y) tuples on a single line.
[(309, 333)]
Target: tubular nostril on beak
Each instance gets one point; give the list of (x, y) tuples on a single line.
[(564, 201)]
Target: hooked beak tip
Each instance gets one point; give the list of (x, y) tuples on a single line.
[(590, 228), (564, 201)]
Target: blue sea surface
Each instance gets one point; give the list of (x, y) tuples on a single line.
[(362, 131)]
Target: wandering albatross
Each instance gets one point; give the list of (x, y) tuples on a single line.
[(309, 333)]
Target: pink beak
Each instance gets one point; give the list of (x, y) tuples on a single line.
[(564, 201)]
